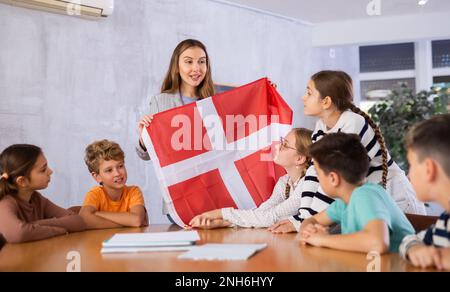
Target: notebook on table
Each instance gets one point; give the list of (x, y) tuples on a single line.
[(148, 242)]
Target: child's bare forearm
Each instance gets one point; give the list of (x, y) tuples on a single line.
[(307, 222), (72, 223), (123, 218), (358, 242), (96, 222)]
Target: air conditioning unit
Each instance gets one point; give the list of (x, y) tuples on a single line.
[(82, 8)]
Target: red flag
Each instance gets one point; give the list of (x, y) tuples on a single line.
[(216, 153)]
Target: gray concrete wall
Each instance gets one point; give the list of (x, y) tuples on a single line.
[(345, 58), (65, 82)]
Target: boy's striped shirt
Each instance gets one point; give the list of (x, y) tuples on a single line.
[(437, 235)]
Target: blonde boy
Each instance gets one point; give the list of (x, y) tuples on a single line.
[(113, 204)]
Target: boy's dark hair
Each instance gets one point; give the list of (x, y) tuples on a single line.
[(431, 138), (343, 154)]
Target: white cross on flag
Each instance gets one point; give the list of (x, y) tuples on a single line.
[(216, 153)]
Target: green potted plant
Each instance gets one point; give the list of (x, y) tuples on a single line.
[(404, 109)]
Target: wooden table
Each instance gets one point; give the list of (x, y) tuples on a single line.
[(283, 254)]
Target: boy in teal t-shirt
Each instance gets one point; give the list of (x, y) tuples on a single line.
[(369, 218), (368, 203)]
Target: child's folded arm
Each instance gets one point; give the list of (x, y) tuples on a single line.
[(32, 232), (141, 212), (96, 222), (321, 218), (445, 258), (15, 230), (59, 217), (410, 241), (307, 222), (373, 238), (72, 223), (137, 217)]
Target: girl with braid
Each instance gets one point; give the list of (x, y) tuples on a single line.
[(329, 96), (292, 155)]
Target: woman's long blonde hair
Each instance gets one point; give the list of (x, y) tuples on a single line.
[(172, 81)]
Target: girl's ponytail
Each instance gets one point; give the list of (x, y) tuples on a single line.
[(6, 185), (4, 188), (380, 139), (287, 191)]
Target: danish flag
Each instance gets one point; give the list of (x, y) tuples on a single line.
[(216, 153)]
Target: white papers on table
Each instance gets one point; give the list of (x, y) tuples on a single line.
[(222, 252)]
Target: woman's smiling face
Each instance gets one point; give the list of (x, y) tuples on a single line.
[(193, 66)]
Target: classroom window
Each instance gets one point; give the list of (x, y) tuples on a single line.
[(441, 79), (392, 57), (441, 53), (381, 89)]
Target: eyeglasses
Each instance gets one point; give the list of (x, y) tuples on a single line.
[(285, 145)]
